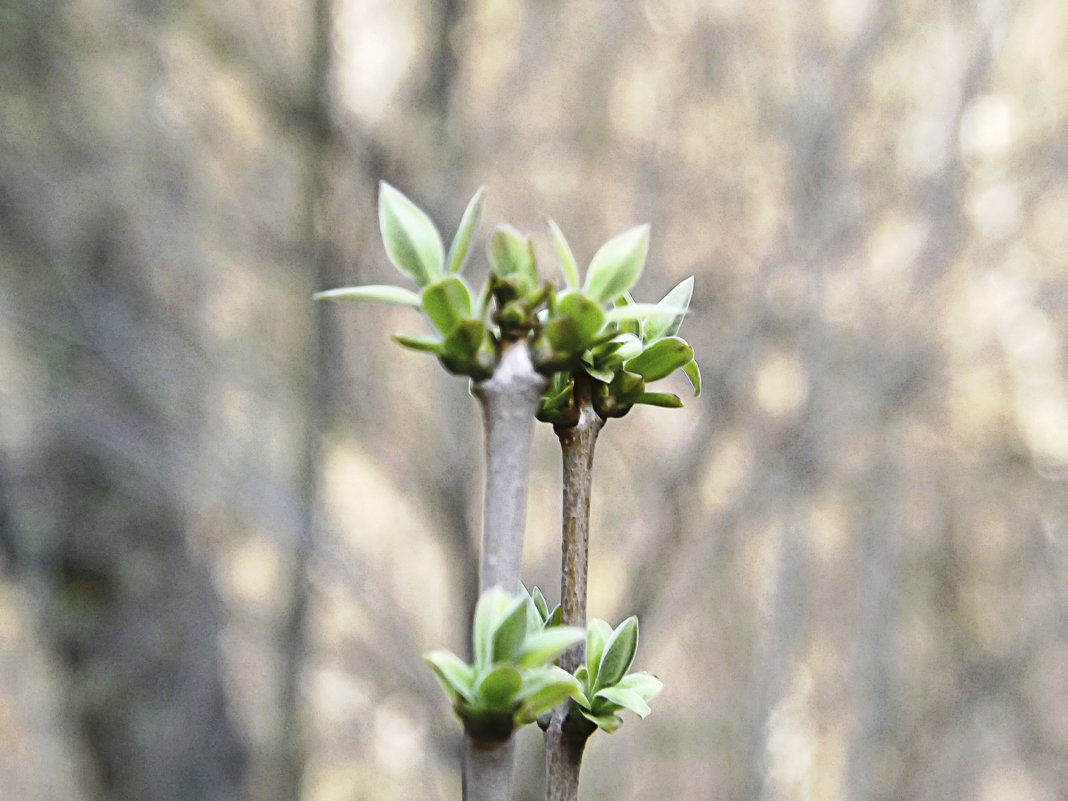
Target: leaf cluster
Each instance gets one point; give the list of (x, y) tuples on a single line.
[(590, 330), (512, 679), (607, 685)]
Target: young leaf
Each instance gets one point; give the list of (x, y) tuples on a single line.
[(464, 340), (512, 254), (626, 385), (628, 326), (617, 265), (461, 243), (693, 372), (412, 240), (577, 322), (373, 292), (564, 254), (677, 298), (500, 687), (419, 342), (641, 312), (455, 675), (547, 645), (618, 653), (491, 604), (664, 400), (446, 302), (627, 347), (661, 358), (597, 634), (644, 684), (544, 689), (540, 604), (602, 374), (556, 617), (557, 401), (582, 674), (535, 623), (609, 723), (510, 631), (482, 301), (628, 699)]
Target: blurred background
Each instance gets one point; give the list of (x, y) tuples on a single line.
[(231, 521)]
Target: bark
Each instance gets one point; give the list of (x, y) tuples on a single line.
[(488, 770), (563, 752), (563, 761), (509, 400)]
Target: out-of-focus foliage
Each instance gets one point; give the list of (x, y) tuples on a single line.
[(225, 521)]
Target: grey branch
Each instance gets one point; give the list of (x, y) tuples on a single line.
[(509, 400)]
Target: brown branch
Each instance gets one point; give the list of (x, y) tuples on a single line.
[(563, 750)]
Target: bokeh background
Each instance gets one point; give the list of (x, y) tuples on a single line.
[(231, 521)]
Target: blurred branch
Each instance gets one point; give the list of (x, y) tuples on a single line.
[(318, 355)]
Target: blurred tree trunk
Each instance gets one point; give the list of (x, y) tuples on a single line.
[(98, 512), (130, 612), (319, 352)]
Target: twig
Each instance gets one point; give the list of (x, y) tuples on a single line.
[(564, 747)]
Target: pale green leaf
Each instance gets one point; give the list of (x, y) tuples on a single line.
[(464, 340), (664, 326), (605, 375), (412, 240), (641, 312), (556, 617), (461, 242), (378, 293), (456, 676), (660, 359), (419, 342), (629, 346), (617, 265), (488, 610), (597, 634), (582, 674), (546, 645), (538, 684), (619, 653), (446, 302), (564, 254), (510, 631), (500, 687), (628, 699), (693, 372), (575, 324), (644, 684), (511, 254), (540, 604), (609, 723), (628, 326), (664, 400)]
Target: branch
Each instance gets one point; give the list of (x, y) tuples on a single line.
[(488, 770), (509, 400), (563, 751)]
